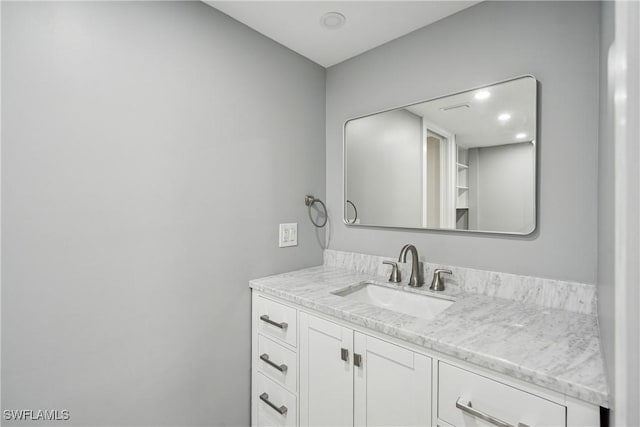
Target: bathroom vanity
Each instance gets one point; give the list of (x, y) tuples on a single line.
[(326, 352)]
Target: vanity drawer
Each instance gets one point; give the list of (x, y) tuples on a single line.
[(460, 388), (277, 362), (276, 406), (277, 320)]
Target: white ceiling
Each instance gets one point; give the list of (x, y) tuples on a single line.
[(296, 24)]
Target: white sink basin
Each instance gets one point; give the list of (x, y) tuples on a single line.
[(414, 304)]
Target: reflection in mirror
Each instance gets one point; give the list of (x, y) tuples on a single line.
[(460, 162)]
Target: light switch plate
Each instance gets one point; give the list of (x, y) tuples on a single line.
[(288, 235)]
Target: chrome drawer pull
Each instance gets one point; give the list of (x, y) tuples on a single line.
[(281, 325), (281, 410), (465, 406), (265, 358)]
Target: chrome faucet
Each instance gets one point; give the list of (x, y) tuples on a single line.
[(416, 280)]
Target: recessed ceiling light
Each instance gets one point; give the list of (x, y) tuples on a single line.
[(332, 20), (521, 135), (483, 94), (504, 117)]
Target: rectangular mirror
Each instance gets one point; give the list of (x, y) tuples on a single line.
[(463, 162)]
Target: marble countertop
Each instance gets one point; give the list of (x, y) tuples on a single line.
[(556, 349)]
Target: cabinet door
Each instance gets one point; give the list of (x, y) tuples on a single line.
[(326, 373), (392, 384)]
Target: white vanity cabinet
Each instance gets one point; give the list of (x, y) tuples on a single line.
[(274, 362), (349, 378), (326, 368), (392, 384), (310, 369), (467, 399)]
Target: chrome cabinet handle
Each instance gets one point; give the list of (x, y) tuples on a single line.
[(281, 410), (344, 354), (465, 406), (357, 359), (281, 325), (265, 358)]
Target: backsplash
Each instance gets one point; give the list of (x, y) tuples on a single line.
[(570, 296)]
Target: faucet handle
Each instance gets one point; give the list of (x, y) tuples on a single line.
[(395, 276), (437, 284)]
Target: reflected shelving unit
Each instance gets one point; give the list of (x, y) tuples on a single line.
[(462, 190)]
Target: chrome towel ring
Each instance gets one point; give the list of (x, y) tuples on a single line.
[(355, 210), (309, 201)]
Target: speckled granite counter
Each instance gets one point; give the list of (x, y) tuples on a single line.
[(555, 349)]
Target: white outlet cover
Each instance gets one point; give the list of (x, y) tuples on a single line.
[(288, 235)]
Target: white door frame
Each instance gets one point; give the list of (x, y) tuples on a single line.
[(448, 175), (626, 70)]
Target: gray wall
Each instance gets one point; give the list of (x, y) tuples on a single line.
[(149, 152), (606, 192), (502, 187), (558, 42), (384, 166)]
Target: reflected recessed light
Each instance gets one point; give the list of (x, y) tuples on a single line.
[(504, 117), (483, 94), (521, 135), (332, 20)]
